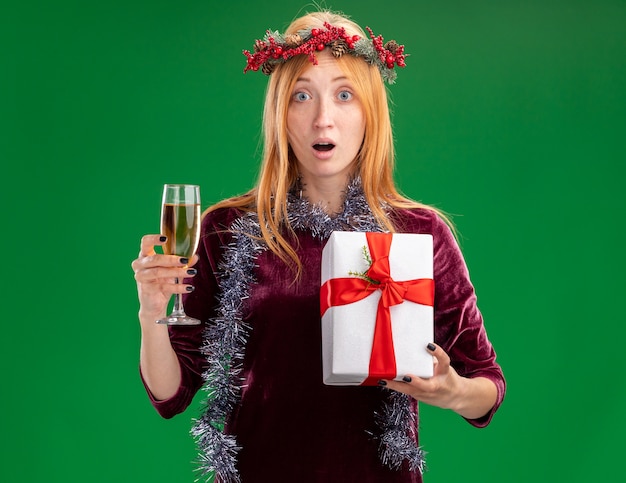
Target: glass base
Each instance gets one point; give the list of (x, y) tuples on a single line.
[(179, 320)]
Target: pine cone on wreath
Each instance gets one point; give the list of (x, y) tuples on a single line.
[(293, 40), (259, 45), (392, 46), (267, 68), (338, 47)]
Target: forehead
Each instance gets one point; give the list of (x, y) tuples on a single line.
[(327, 68)]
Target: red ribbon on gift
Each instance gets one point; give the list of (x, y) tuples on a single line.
[(343, 291)]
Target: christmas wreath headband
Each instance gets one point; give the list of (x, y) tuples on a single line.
[(277, 48)]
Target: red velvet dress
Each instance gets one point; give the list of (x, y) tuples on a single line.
[(290, 426)]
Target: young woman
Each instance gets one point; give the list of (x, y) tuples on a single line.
[(327, 165)]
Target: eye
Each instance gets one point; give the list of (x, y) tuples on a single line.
[(345, 95), (301, 96)]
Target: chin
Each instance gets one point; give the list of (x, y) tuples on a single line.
[(327, 171)]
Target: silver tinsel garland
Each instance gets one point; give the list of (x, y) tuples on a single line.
[(225, 341)]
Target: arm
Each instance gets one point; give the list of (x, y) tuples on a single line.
[(467, 378), (155, 275), (171, 360)]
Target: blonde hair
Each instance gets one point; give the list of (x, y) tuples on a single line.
[(278, 173)]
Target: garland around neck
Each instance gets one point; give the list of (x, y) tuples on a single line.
[(277, 48), (225, 337)]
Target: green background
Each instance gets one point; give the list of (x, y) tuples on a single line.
[(510, 116)]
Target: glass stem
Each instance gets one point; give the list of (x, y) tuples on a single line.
[(178, 304)]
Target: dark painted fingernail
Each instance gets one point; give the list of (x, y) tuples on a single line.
[(431, 347), (162, 238), (184, 261), (190, 288), (407, 379), (192, 271), (382, 382)]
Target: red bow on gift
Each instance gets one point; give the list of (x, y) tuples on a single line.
[(342, 291)]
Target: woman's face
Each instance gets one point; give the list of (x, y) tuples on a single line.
[(325, 121)]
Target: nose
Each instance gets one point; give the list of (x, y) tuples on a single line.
[(323, 114)]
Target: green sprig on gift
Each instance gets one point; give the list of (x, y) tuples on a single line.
[(363, 274)]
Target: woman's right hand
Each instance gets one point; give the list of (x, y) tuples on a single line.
[(156, 276)]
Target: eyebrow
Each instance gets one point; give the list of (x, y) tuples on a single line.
[(307, 79)]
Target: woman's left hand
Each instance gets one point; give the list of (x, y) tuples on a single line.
[(471, 398)]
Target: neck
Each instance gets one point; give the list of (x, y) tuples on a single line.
[(327, 193)]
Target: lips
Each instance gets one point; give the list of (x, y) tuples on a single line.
[(323, 146)]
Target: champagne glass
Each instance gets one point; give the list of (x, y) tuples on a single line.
[(180, 223)]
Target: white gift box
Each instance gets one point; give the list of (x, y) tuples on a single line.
[(348, 330)]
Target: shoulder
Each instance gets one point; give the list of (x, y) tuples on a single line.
[(425, 220), (216, 230), (419, 220), (220, 219)]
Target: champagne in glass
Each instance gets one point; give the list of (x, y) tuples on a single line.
[(180, 223)]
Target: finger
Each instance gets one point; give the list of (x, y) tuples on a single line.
[(148, 242), (441, 363), (157, 260), (399, 386), (173, 286), (163, 274), (421, 389), (193, 261), (416, 387), (439, 355), (178, 285), (442, 359)]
